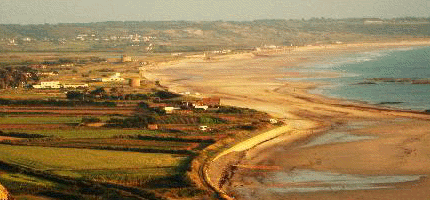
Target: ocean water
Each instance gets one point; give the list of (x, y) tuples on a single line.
[(358, 74)]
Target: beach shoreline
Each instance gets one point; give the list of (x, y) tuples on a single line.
[(249, 80)]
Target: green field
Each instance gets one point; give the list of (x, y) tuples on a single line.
[(122, 176), (86, 132), (113, 143), (19, 184), (45, 120), (39, 120), (58, 159), (22, 179)]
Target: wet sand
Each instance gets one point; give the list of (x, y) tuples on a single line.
[(397, 142)]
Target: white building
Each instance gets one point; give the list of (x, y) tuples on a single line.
[(50, 84), (201, 107), (57, 85), (111, 79), (114, 78), (170, 109), (75, 85), (203, 128)]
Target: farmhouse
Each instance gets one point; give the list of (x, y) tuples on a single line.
[(170, 109), (113, 78)]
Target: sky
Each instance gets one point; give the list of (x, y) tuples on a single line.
[(84, 11)]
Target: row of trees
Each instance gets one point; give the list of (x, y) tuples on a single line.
[(117, 94)]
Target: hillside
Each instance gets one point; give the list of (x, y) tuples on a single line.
[(188, 36)]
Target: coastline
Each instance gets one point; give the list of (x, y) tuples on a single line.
[(251, 84)]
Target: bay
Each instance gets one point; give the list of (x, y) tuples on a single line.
[(384, 77)]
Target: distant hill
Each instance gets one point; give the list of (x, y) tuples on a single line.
[(173, 36)]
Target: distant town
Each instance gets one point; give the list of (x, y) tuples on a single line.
[(184, 36)]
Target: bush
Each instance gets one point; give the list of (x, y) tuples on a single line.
[(22, 135), (137, 121), (74, 95), (165, 95), (90, 120)]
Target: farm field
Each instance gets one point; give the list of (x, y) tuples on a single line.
[(109, 146), (40, 120), (57, 159), (80, 132), (58, 142), (116, 143), (58, 111)]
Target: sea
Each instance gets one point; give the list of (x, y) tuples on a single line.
[(397, 78)]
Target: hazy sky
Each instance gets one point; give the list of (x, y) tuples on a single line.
[(70, 11)]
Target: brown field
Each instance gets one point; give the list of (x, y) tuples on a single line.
[(3, 138)]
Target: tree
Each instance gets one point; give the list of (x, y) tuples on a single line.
[(74, 95), (16, 76), (99, 92)]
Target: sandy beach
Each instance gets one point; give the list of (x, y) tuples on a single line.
[(395, 142)]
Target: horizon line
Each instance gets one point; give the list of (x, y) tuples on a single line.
[(220, 20)]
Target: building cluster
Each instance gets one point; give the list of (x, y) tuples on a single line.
[(131, 37), (135, 38), (225, 51), (373, 21), (186, 106), (57, 85)]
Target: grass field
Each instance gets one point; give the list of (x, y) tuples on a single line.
[(20, 185), (86, 132), (39, 120), (45, 120), (25, 180), (115, 143), (58, 159), (136, 177)]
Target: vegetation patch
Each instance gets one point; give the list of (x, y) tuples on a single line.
[(48, 158), (87, 132), (39, 120)]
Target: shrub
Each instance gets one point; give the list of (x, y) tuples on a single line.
[(165, 94), (90, 120)]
